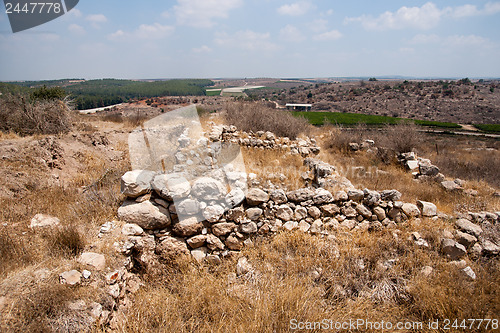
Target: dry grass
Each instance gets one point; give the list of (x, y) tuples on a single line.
[(24, 117), (274, 166), (298, 276), (254, 117)]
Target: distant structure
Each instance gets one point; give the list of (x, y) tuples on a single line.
[(299, 107)]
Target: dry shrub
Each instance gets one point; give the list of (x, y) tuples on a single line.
[(25, 117), (254, 117), (275, 166), (470, 165), (401, 138), (13, 252), (66, 241), (38, 309)]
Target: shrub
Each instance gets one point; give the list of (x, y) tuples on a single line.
[(257, 117), (401, 138), (66, 241), (24, 117)]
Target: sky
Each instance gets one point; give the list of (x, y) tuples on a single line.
[(257, 38)]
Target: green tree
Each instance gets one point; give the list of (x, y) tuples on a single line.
[(48, 94)]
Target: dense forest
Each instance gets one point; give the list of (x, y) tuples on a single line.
[(99, 93)]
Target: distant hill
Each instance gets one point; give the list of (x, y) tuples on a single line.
[(99, 93)]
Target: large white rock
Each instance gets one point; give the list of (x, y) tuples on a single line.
[(469, 227), (256, 196), (207, 189), (171, 186), (284, 212), (137, 182), (96, 260), (427, 208), (71, 277), (187, 227), (410, 210), (453, 249), (131, 229), (144, 214), (213, 213), (44, 221), (235, 197)]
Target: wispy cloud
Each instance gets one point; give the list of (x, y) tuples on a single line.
[(77, 29), (247, 40), (423, 18), (295, 9), (329, 35), (144, 32), (202, 49), (291, 34), (96, 20), (202, 13)]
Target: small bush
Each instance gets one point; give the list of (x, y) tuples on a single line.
[(401, 138), (24, 117), (13, 252), (66, 241), (257, 117)]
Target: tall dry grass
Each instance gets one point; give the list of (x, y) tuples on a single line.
[(254, 117), (24, 117), (366, 276)]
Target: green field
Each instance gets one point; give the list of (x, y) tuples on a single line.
[(213, 93), (351, 119), (494, 128)]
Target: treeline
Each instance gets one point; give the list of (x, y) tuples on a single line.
[(100, 93)]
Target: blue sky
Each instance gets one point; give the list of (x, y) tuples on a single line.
[(258, 38)]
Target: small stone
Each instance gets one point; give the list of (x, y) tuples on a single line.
[(410, 210), (222, 229), (137, 182), (254, 213), (290, 225), (451, 186), (199, 254), (98, 261), (453, 249), (380, 213), (144, 214), (44, 221), (340, 196), (213, 213), (330, 209), (355, 195), (465, 239), (256, 196), (285, 213), (314, 212), (469, 273), (469, 227), (371, 198), (300, 213), (234, 243), (196, 241), (390, 195), (304, 226), (248, 228), (428, 209), (243, 266), (300, 195), (131, 229), (426, 271), (278, 196), (86, 274), (114, 290), (71, 277), (187, 227)]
